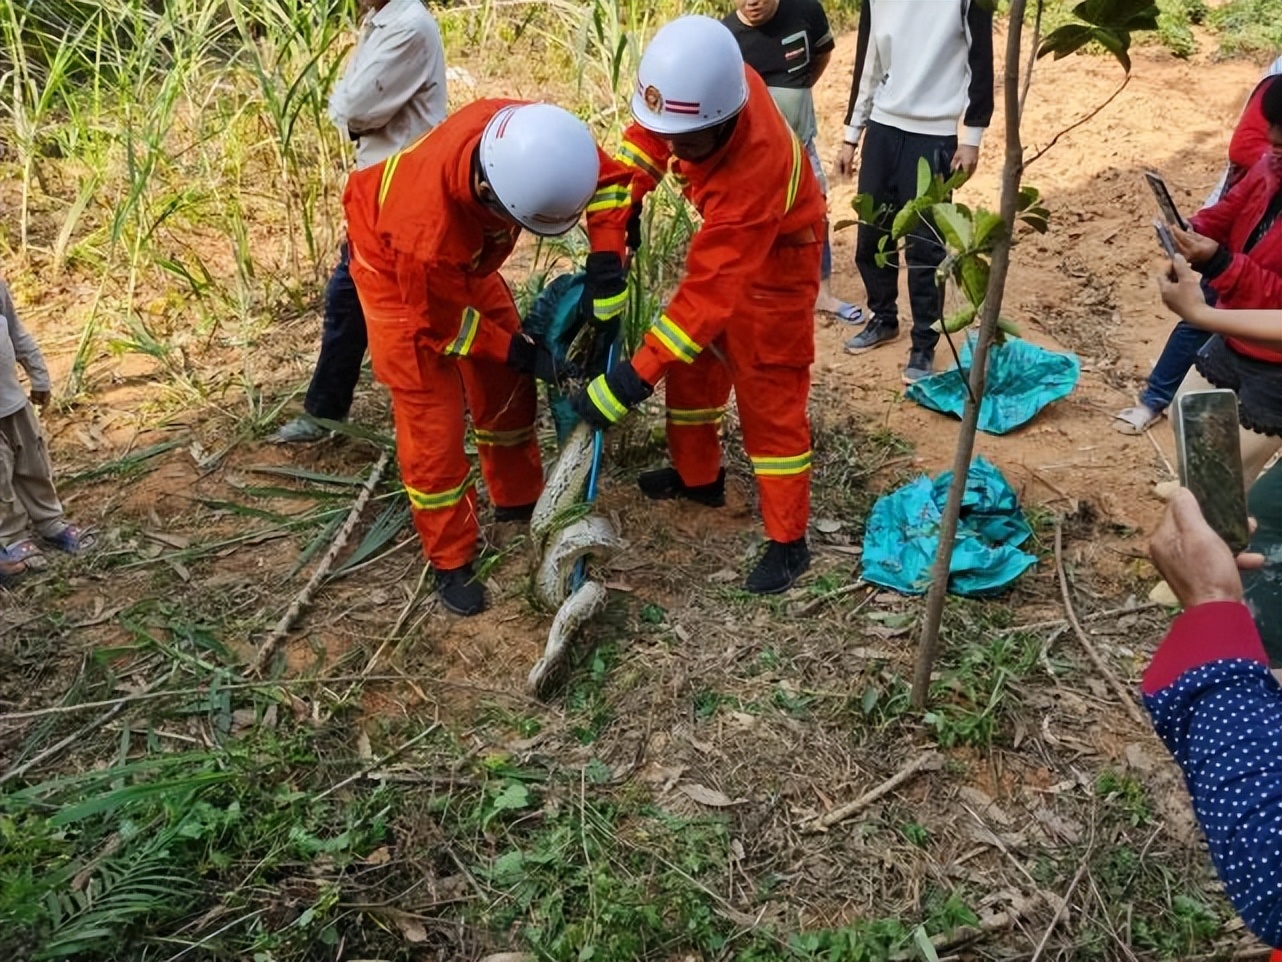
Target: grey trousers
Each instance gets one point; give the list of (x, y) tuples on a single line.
[(27, 495)]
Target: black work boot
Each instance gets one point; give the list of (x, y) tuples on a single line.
[(517, 512), (782, 564), (460, 591), (663, 484)]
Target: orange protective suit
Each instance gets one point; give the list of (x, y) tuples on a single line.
[(742, 316), (425, 256)]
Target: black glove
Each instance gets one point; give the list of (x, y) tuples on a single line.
[(605, 288), (526, 357), (608, 397), (634, 229)]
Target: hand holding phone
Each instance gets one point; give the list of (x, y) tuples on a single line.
[(1209, 450)]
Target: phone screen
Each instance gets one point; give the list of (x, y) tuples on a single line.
[(1164, 238), (1210, 461), (1164, 201)]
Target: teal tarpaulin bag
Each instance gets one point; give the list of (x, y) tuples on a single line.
[(1022, 379), (902, 535), (554, 320)]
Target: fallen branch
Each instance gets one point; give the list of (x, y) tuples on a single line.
[(823, 599), (997, 922), (1059, 912), (1101, 666), (116, 708), (279, 633), (929, 760), (1097, 616)]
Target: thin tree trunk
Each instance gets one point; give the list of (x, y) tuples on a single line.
[(928, 648)]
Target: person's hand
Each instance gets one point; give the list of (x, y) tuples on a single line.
[(1193, 559), (966, 159), (605, 288), (845, 168), (526, 357), (40, 398), (610, 396), (1181, 289), (1196, 249)]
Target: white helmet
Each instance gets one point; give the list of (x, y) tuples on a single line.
[(542, 164), (691, 77)]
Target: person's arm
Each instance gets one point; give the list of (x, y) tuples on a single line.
[(867, 77), (397, 63), (25, 349), (822, 42), (611, 208), (1183, 295), (979, 99), (1218, 708)]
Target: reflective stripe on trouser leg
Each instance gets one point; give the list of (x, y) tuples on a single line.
[(776, 434), (694, 442), (503, 406)]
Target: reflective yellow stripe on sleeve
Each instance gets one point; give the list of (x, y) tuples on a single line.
[(614, 197), (462, 344), (605, 308), (794, 181), (603, 398), (437, 500), (776, 467), (682, 417), (677, 341), (632, 155), (504, 439)]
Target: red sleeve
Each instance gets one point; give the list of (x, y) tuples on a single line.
[(1217, 220), (647, 156), (1250, 139), (1205, 633), (610, 206)]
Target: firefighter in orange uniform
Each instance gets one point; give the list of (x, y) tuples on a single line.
[(741, 317), (428, 230)]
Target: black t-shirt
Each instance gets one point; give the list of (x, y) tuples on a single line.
[(781, 49)]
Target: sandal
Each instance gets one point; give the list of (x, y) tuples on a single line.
[(26, 553), (1136, 420), (11, 571), (72, 539), (850, 313)]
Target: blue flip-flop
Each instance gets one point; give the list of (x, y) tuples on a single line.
[(850, 313)]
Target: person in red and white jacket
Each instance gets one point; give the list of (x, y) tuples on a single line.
[(1218, 708), (1236, 245)]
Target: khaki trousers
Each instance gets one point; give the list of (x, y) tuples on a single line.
[(1257, 449), (27, 495)]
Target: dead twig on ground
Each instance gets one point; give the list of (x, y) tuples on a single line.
[(115, 709), (1059, 912), (997, 922), (304, 597), (1097, 616), (1100, 665), (813, 606), (825, 822)]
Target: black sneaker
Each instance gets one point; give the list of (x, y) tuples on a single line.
[(876, 334), (519, 512), (781, 565), (460, 591), (920, 364), (663, 484)]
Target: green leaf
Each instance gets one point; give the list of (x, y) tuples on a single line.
[(845, 224), (514, 797), (1069, 38), (924, 176), (1116, 42), (989, 228), (959, 321), (1007, 326), (908, 218), (973, 274), (1028, 196), (955, 226), (924, 945)]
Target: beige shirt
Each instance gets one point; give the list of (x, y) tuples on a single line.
[(17, 347), (393, 89)]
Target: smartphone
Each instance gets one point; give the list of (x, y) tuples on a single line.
[(1210, 461), (1164, 201), (1164, 237)]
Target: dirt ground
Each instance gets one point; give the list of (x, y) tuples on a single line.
[(1085, 286)]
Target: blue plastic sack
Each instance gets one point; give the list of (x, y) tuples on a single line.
[(554, 320), (1022, 379), (902, 535)]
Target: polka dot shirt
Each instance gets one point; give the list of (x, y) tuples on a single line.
[(1218, 708)]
